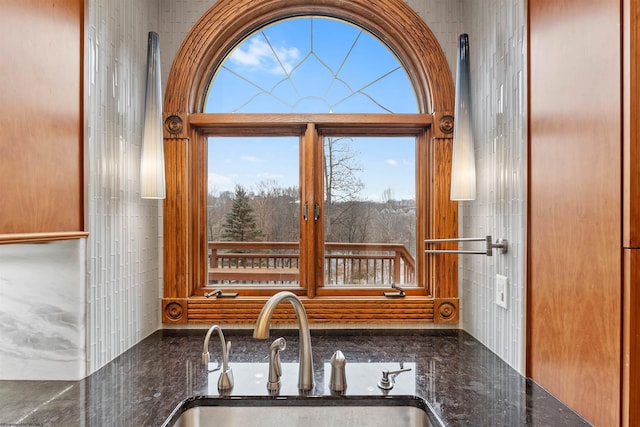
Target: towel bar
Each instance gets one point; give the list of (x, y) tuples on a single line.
[(501, 244)]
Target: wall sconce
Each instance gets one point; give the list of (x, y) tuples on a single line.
[(463, 165), (152, 162)]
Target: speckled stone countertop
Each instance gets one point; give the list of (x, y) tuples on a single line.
[(464, 383)]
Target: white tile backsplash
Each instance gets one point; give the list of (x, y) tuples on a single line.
[(124, 261), (496, 31)]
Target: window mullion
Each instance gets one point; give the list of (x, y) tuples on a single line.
[(311, 227)]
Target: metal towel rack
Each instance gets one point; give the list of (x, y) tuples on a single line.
[(501, 244)]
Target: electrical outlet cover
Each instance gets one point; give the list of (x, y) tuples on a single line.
[(501, 290)]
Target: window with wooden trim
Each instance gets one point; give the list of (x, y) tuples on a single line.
[(363, 211), (313, 166)]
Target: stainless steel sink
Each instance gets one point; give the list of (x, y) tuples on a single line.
[(314, 411)]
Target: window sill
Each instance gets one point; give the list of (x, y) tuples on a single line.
[(245, 310)]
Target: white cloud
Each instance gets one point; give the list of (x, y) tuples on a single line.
[(392, 162), (257, 54), (251, 159), (218, 183), (269, 176)]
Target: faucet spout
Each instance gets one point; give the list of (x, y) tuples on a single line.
[(225, 382), (261, 331)]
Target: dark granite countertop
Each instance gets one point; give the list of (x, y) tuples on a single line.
[(464, 382)]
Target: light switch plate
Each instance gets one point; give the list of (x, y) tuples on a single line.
[(501, 290)]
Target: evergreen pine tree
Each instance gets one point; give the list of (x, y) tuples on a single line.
[(240, 223)]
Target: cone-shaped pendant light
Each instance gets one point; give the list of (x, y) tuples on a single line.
[(463, 166), (152, 164)]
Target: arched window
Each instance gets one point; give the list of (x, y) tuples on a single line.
[(311, 64), (308, 149)]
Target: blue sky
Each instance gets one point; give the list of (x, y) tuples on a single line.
[(385, 162), (317, 65)]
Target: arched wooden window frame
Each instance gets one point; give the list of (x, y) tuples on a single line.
[(221, 28)]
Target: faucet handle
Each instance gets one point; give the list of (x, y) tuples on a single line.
[(338, 381), (275, 368)]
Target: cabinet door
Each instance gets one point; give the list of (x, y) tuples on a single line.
[(41, 158), (631, 123), (631, 218), (575, 254)]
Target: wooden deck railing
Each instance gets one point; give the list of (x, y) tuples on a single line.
[(278, 262)]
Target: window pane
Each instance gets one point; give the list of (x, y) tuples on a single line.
[(311, 65), (252, 210), (370, 211)]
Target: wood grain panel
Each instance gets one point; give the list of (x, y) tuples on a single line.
[(319, 310), (41, 157), (176, 235), (575, 211), (631, 340), (443, 222), (631, 123), (631, 217)]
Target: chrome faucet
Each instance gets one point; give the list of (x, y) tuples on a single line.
[(261, 331), (225, 381)]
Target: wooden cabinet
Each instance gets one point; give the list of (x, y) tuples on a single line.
[(575, 205), (41, 155), (631, 213), (584, 206)]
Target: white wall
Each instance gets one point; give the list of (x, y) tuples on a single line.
[(497, 36), (445, 22), (124, 261)]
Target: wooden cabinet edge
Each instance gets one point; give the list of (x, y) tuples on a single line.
[(41, 237)]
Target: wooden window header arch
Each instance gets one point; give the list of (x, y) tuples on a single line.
[(208, 43), (227, 22)]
